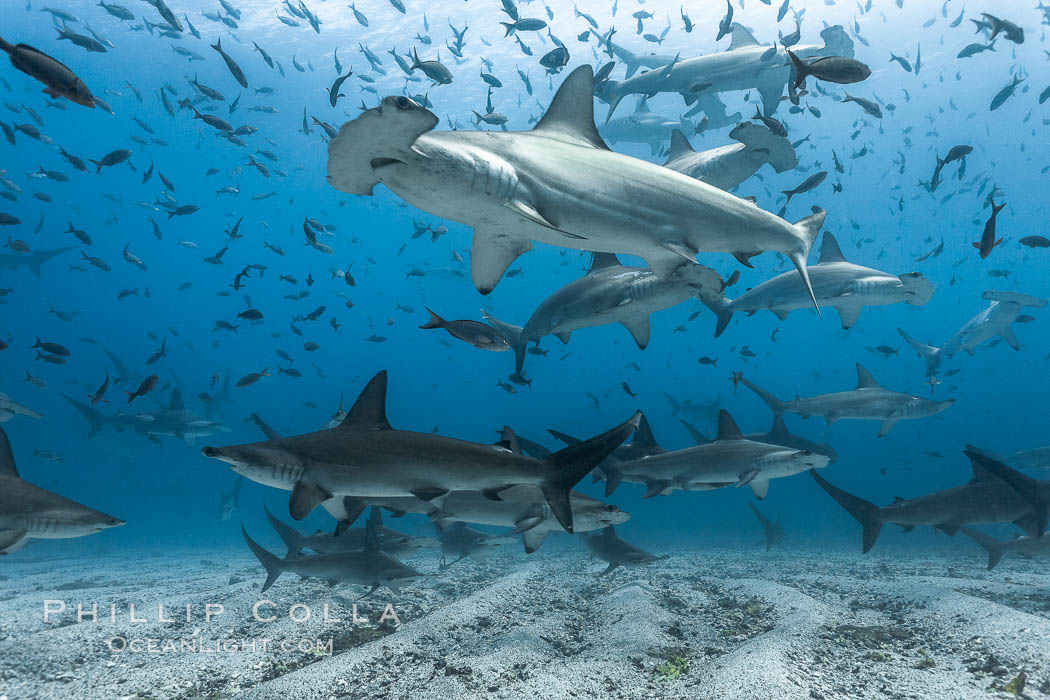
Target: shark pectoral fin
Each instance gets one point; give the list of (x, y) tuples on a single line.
[(305, 497), (760, 487), (491, 254), (613, 477), (1007, 334), (534, 538), (886, 426), (771, 91), (656, 488), (947, 528), (563, 336), (609, 569), (394, 587), (375, 587), (747, 477), (493, 494), (639, 329), (12, 540), (354, 507), (670, 256), (430, 495), (848, 315), (529, 211), (525, 524), (829, 418), (906, 528)]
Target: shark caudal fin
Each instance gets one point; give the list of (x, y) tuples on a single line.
[(1029, 489), (930, 353), (775, 150), (867, 514), (290, 536), (95, 418), (991, 545), (269, 561), (722, 308), (808, 229), (775, 404), (513, 335), (565, 468)]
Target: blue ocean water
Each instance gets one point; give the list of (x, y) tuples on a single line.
[(883, 217)]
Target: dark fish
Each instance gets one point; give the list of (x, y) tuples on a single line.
[(60, 80), (480, 335), (235, 69), (832, 69), (111, 159), (988, 241), (145, 387), (1035, 241)]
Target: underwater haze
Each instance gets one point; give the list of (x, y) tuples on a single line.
[(607, 349)]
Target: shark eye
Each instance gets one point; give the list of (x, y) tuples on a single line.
[(611, 509), (402, 102)]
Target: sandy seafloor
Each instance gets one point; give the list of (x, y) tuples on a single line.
[(794, 623)]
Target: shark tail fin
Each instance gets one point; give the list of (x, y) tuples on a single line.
[(565, 468), (611, 93), (722, 308), (291, 538), (931, 354), (775, 404), (867, 514), (95, 418), (270, 562), (991, 545), (1026, 487), (808, 229)]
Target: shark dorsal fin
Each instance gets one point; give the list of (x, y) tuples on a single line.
[(371, 537), (898, 499), (741, 38), (571, 113), (376, 516), (176, 403), (865, 380), (679, 146), (829, 250), (603, 261), (644, 434), (7, 459), (643, 105), (977, 458), (369, 411), (727, 428), (779, 429), (510, 440)]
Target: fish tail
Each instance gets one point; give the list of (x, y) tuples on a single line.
[(291, 537), (435, 320), (270, 562), (991, 545), (565, 468), (867, 514)]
